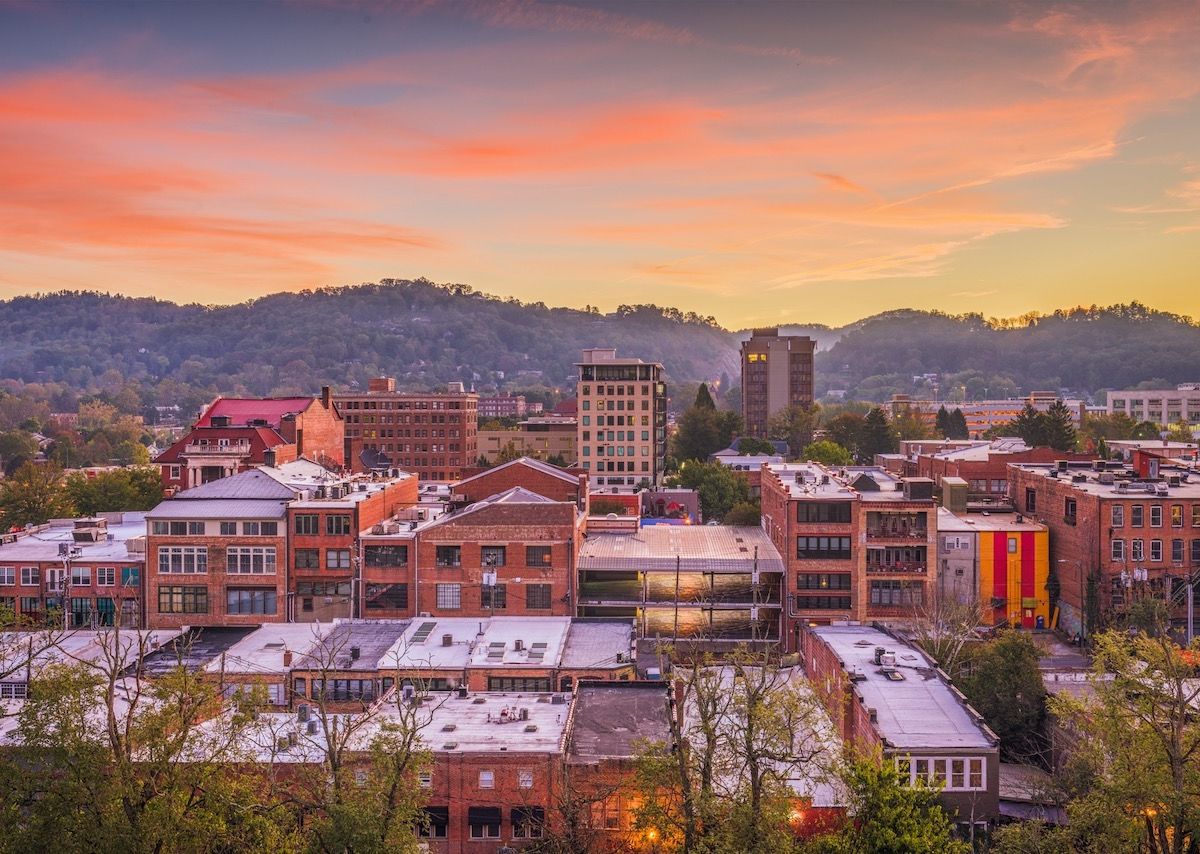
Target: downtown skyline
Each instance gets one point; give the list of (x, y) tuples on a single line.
[(763, 163)]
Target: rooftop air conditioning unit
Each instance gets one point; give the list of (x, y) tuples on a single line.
[(518, 645)]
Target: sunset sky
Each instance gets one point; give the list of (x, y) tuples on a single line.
[(764, 163)]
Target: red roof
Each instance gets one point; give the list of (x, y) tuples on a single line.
[(568, 406), (260, 439), (242, 410)]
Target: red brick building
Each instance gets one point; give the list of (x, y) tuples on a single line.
[(1117, 534), (984, 466), (431, 435), (236, 434), (859, 543), (526, 544), (534, 475), (73, 566)]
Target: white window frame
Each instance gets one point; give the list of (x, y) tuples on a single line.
[(487, 779), (31, 576), (106, 576)]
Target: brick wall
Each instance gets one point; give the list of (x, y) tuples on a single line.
[(503, 478)]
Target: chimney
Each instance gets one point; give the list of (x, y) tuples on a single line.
[(269, 457), (287, 658), (326, 396)]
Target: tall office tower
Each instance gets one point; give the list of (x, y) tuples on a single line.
[(622, 412), (777, 372)]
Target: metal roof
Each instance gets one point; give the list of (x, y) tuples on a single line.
[(705, 548), (219, 509), (253, 484)]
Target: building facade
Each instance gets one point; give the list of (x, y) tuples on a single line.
[(432, 435), (503, 406), (777, 372), (622, 415), (859, 543), (540, 438), (1161, 406)]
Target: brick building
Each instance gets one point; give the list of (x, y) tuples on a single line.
[(858, 542), (236, 434), (88, 570), (503, 406), (622, 414), (521, 542), (984, 465), (777, 372), (885, 695), (1117, 533), (540, 438), (536, 476), (432, 435)]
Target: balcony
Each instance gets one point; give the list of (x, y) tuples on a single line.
[(693, 590), (897, 532), (898, 566), (232, 450)]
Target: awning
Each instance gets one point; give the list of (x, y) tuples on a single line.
[(528, 815), (438, 815), (483, 815)]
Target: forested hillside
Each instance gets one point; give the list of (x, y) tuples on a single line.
[(138, 353)]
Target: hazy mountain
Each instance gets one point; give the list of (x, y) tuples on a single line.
[(426, 334)]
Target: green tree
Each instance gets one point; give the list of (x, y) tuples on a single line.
[(1004, 685), (702, 431), (132, 488), (846, 429), (33, 495), (942, 422), (16, 447), (750, 446), (1060, 430), (878, 437), (704, 398), (131, 453), (745, 513), (1030, 425), (827, 452), (719, 487), (794, 425), (1140, 737), (908, 423), (1181, 431), (958, 426), (600, 506), (887, 816)]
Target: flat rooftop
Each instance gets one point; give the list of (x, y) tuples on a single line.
[(82, 646), (493, 723), (262, 650), (698, 548), (194, 648), (1124, 483), (987, 520), (598, 643), (613, 720), (918, 712), (42, 543), (373, 640)]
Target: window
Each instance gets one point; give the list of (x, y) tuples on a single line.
[(957, 773), (251, 529), (8, 575), (1177, 551), (449, 596), (435, 823), (528, 822), (337, 558), (1118, 515), (1137, 515), (524, 684), (524, 778), (106, 576), (183, 600), (268, 529), (492, 555), (893, 594), (1012, 545), (182, 559), (1195, 551), (308, 559), (379, 596), (31, 576), (1196, 515), (308, 524), (249, 600), (385, 556), (487, 779), (81, 576), (537, 555), (823, 603), (823, 581), (337, 525), (425, 779), (229, 529), (131, 576), (30, 604), (823, 511), (1155, 515), (1176, 515), (448, 556), (537, 596), (1118, 550), (823, 548), (344, 690), (1156, 550), (174, 472), (484, 821), (250, 560), (1136, 552), (1069, 511), (1030, 500), (494, 597), (13, 690)]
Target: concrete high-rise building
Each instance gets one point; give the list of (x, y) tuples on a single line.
[(777, 372), (622, 412)]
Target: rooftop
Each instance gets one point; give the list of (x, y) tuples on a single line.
[(526, 462), (219, 508), (255, 484), (1118, 480), (597, 643), (242, 410), (194, 649), (708, 548), (867, 483), (261, 651), (986, 521), (982, 451), (42, 542), (919, 710), (83, 646), (373, 640), (612, 720)]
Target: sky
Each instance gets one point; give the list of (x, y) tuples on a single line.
[(765, 163)]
